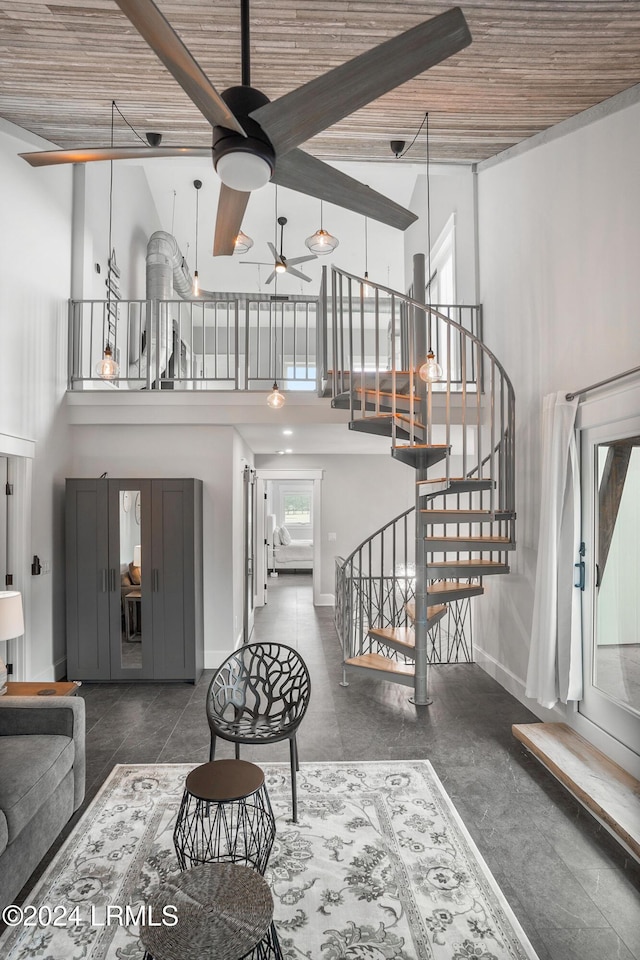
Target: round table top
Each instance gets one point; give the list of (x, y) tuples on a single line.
[(224, 780), (223, 910)]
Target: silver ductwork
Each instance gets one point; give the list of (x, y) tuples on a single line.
[(167, 270)]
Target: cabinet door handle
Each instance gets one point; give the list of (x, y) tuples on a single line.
[(113, 579), (155, 580)]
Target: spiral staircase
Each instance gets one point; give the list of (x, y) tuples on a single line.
[(397, 589)]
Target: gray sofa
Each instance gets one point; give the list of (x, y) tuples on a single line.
[(42, 779)]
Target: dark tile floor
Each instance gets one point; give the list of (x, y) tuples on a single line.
[(571, 886)]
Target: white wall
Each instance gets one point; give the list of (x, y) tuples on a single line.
[(359, 495), (205, 452), (452, 191), (35, 266), (559, 234)]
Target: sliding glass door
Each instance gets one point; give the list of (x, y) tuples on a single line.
[(611, 612)]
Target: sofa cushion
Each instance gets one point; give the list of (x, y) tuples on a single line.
[(32, 767), (4, 832)]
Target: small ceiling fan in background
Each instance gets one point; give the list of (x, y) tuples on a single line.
[(281, 264), (256, 140)]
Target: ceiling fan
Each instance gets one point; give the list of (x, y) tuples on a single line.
[(281, 263), (256, 140)]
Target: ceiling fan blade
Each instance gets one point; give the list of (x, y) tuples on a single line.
[(294, 260), (86, 154), (167, 45), (299, 115), (300, 171), (256, 263), (270, 277), (276, 255), (298, 273), (231, 207)]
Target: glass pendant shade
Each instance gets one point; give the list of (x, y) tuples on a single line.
[(242, 243), (430, 371), (275, 399), (321, 242), (107, 368)]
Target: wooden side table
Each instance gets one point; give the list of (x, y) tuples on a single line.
[(43, 689), (225, 815)]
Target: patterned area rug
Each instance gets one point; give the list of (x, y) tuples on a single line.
[(380, 867)]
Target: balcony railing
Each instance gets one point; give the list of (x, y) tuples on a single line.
[(235, 342)]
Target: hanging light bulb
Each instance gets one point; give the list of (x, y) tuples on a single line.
[(107, 368), (321, 241), (242, 243), (196, 285), (280, 266), (275, 400), (430, 371)]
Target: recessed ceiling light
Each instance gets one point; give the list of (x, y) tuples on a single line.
[(287, 433), (289, 450), (280, 452)]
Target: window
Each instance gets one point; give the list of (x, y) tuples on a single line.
[(296, 509)]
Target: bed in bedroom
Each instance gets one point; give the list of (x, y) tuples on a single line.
[(285, 553)]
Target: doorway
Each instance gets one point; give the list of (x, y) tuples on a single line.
[(610, 453), (291, 479)]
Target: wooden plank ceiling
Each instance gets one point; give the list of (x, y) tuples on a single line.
[(532, 63)]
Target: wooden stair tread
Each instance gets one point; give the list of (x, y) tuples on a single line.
[(375, 661), (448, 590), (601, 785), (432, 612), (470, 564), (369, 391), (479, 539), (402, 636), (436, 515)]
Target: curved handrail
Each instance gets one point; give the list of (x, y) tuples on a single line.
[(405, 298)]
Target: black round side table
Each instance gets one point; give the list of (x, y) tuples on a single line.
[(224, 910), (225, 815)]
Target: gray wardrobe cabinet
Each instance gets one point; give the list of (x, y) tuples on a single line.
[(134, 579)]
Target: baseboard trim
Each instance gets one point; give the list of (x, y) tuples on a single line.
[(326, 600), (516, 687)]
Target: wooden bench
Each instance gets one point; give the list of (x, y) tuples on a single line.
[(603, 787)]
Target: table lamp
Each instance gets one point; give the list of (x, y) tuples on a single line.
[(11, 625)]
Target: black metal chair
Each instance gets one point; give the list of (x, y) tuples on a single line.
[(260, 695)]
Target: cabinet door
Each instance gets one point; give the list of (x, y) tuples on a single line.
[(87, 578), (174, 572), (130, 580)]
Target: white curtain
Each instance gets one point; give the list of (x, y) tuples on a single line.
[(555, 655)]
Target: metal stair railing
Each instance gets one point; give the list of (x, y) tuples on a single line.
[(374, 336)]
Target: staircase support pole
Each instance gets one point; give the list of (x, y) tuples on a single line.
[(421, 685)]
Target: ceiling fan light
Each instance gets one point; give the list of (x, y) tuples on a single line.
[(242, 243), (275, 400), (280, 267), (321, 242), (243, 171)]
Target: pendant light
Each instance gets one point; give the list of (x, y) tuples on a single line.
[(196, 285), (430, 371), (107, 368), (321, 241), (275, 400), (367, 291), (242, 244)]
